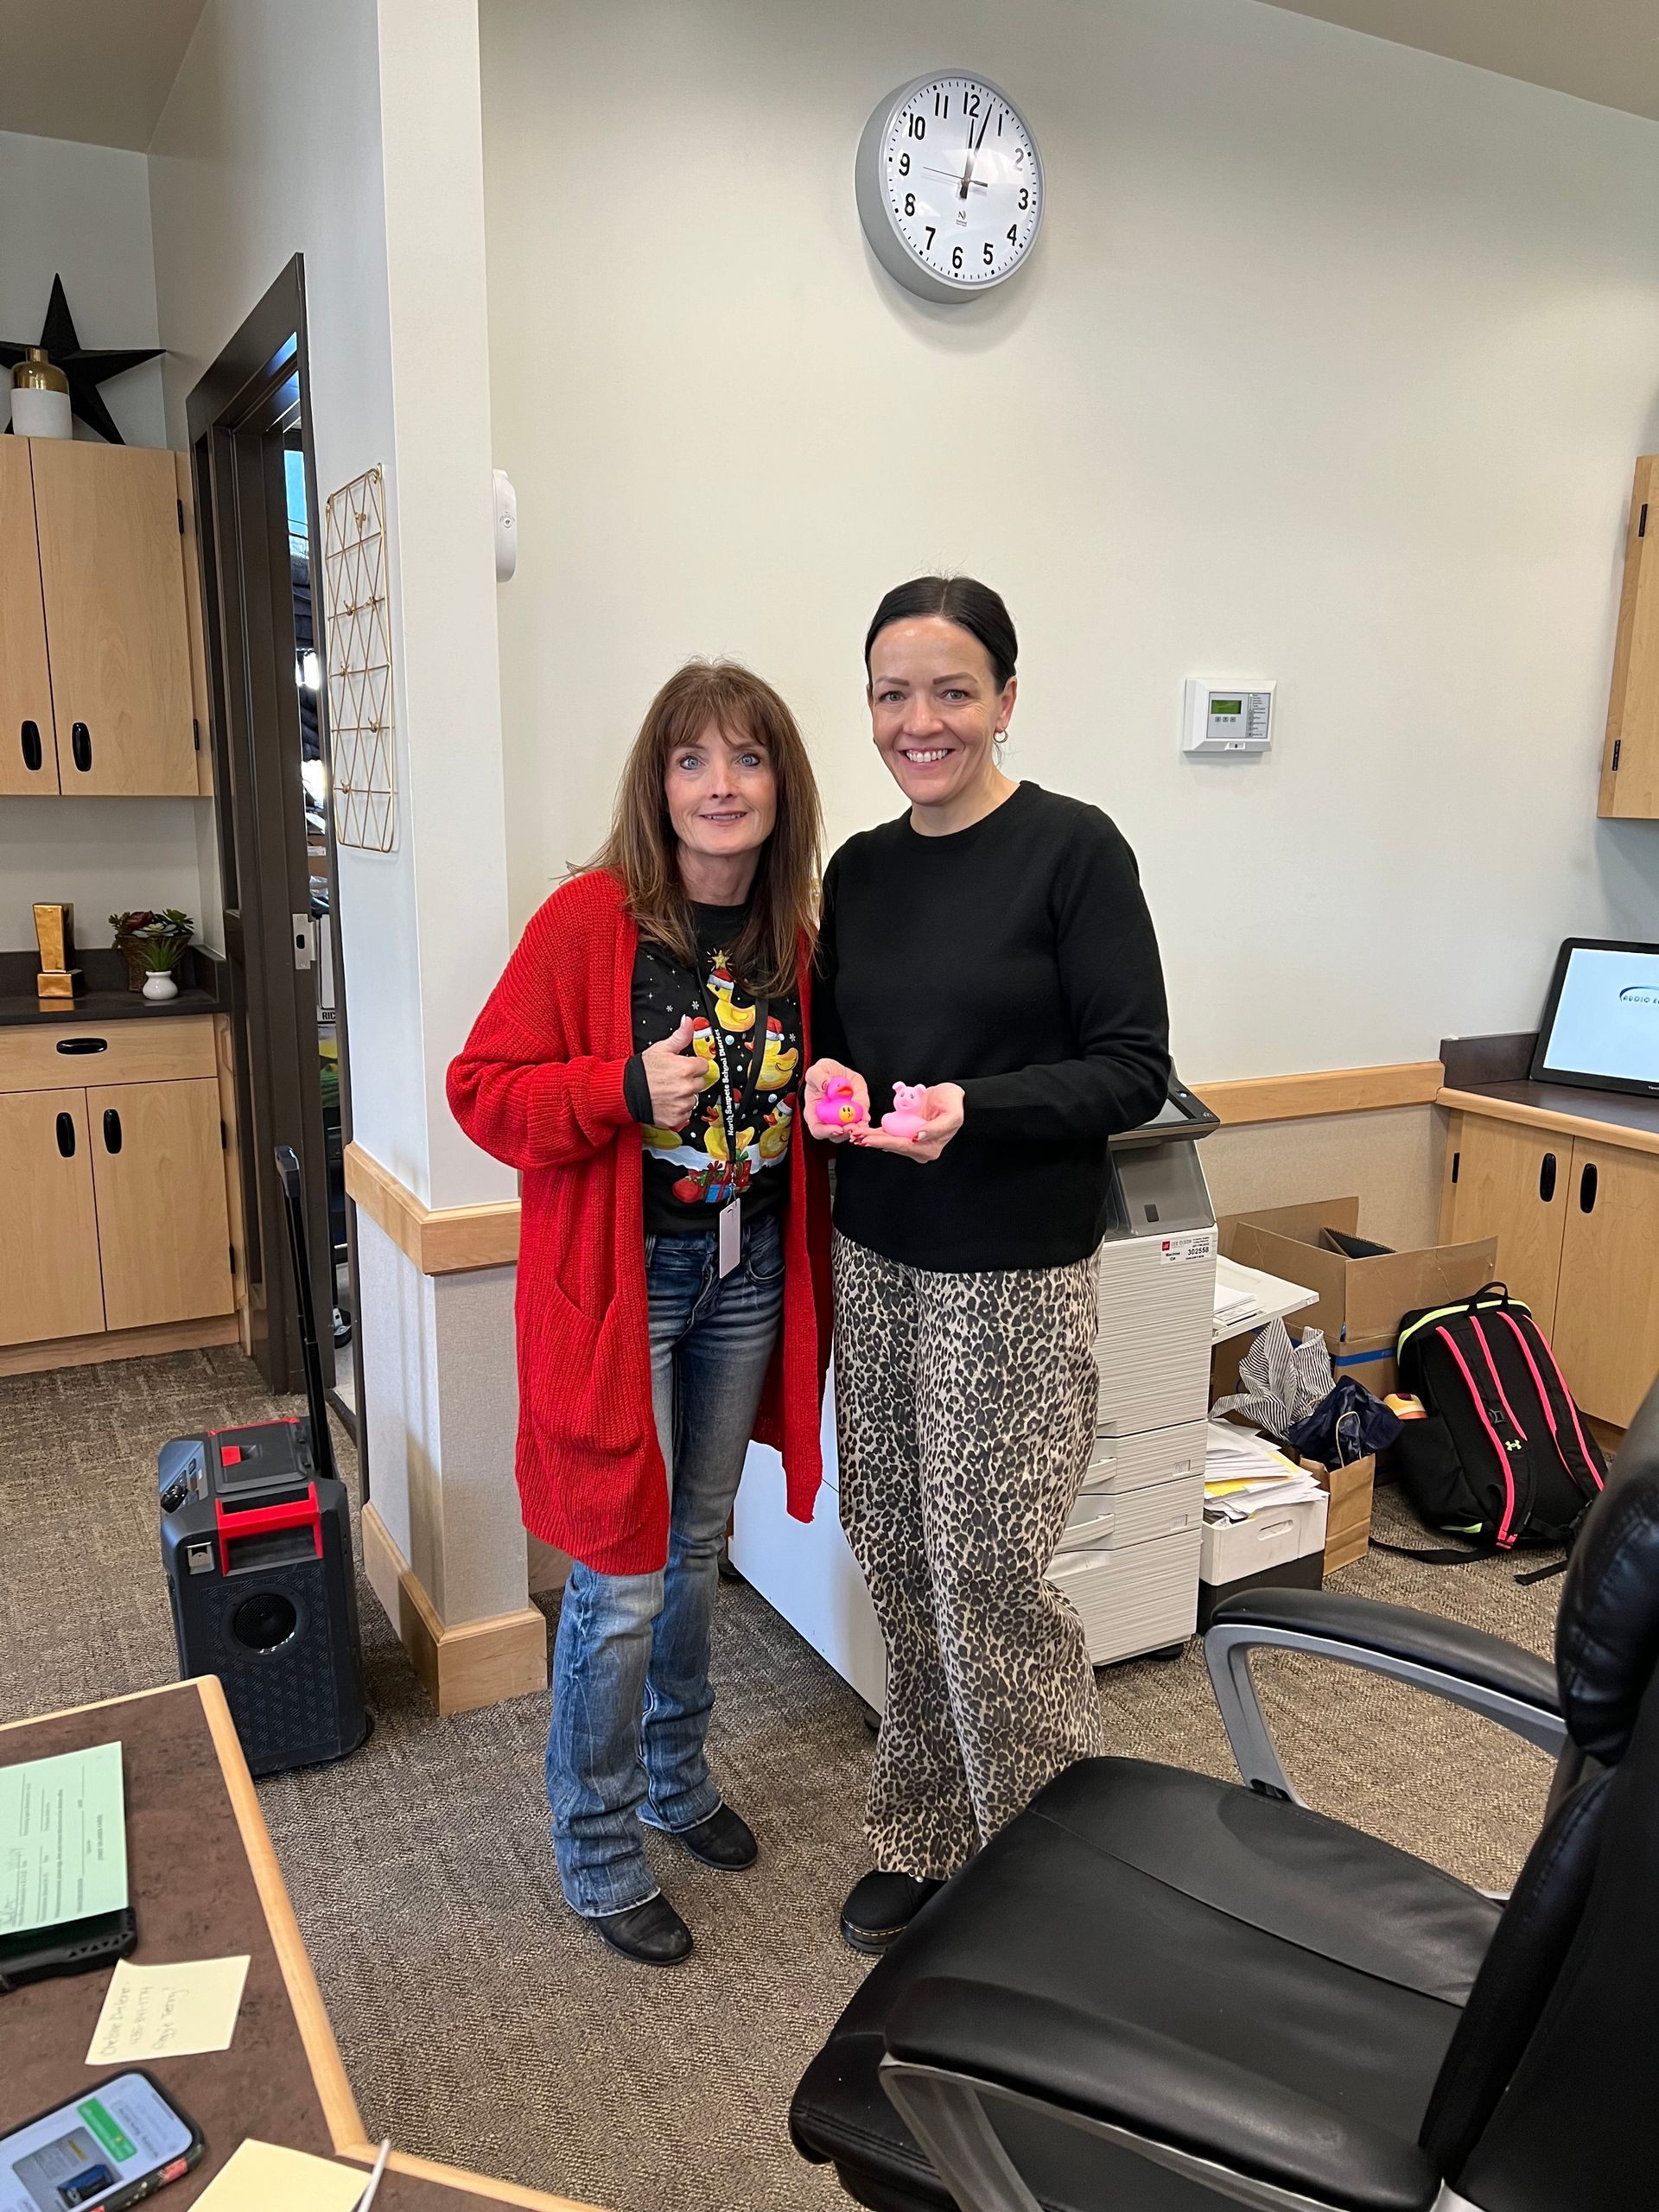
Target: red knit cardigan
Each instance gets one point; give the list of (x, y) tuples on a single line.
[(539, 1085)]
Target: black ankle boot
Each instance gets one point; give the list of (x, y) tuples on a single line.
[(880, 1908), (652, 1933)]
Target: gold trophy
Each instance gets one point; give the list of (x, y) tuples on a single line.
[(55, 932)]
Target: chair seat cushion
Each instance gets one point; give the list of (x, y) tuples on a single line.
[(1248, 1929)]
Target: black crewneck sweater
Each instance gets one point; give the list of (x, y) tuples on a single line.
[(1017, 958)]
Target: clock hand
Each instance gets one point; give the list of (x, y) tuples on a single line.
[(978, 183)]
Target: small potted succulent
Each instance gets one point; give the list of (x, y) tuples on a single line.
[(153, 946)]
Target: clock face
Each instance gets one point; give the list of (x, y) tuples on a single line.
[(951, 186)]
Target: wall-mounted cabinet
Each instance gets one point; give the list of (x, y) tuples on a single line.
[(113, 1180), (99, 692), (1629, 760)]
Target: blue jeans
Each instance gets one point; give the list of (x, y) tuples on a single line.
[(631, 1694)]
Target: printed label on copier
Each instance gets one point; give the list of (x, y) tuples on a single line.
[(1195, 1244)]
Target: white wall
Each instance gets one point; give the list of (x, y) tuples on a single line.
[(82, 213), (107, 856), (1330, 366)]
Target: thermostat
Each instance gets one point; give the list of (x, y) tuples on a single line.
[(1232, 717)]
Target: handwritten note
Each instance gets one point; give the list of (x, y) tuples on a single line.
[(162, 2011), (265, 2178)]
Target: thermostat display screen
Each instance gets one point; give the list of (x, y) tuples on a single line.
[(1226, 705)]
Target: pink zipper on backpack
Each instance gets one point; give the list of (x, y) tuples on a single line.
[(1504, 1538)]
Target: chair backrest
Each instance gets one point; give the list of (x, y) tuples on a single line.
[(1544, 2099)]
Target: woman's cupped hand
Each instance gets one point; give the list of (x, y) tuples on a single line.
[(940, 1108)]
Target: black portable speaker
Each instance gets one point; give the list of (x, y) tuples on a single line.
[(257, 1542)]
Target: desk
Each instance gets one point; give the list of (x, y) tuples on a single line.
[(205, 1883), (1568, 1182)]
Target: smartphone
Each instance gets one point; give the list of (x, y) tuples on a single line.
[(118, 2143)]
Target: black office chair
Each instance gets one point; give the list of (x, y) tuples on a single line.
[(1152, 1992)]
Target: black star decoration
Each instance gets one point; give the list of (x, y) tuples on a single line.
[(86, 366)]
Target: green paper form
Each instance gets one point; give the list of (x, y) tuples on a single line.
[(63, 1839)]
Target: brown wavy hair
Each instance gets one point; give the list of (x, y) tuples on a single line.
[(643, 850)]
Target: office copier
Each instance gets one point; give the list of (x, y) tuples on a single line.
[(1128, 1562)]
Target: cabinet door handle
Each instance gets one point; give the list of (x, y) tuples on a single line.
[(1588, 1188), (68, 1045), (111, 1129), (80, 745), (33, 754), (67, 1136), (1546, 1178)]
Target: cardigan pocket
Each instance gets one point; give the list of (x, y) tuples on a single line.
[(575, 1377)]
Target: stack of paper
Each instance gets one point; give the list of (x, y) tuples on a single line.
[(1247, 1299), (1242, 1472)]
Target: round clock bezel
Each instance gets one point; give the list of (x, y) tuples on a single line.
[(888, 242)]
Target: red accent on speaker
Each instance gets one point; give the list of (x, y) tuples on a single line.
[(263, 1520)]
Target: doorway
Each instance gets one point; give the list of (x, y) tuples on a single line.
[(256, 501)]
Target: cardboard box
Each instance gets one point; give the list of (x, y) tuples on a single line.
[(1360, 1301), (1348, 1522)]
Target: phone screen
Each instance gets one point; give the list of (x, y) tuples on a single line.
[(79, 2155)]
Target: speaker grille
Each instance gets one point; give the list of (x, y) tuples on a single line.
[(273, 1648)]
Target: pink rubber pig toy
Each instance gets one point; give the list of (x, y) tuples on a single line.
[(838, 1109), (904, 1120)]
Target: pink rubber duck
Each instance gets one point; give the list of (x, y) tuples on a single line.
[(838, 1108), (905, 1121)]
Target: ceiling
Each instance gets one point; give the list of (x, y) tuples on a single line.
[(101, 70), (97, 70), (1602, 50)]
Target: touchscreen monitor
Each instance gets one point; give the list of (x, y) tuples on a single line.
[(1601, 1027)]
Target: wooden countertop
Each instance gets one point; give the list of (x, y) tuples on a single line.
[(1606, 1117), (205, 1883)]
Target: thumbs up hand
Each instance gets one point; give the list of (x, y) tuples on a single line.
[(677, 1075)]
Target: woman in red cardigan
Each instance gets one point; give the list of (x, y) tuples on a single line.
[(639, 1063)]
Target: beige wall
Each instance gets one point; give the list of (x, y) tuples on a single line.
[(1391, 1162), (1330, 366)]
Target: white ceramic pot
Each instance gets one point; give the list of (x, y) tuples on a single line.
[(159, 986)]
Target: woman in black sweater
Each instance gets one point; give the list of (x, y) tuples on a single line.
[(992, 946)]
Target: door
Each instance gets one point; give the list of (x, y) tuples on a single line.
[(112, 576), (256, 511), (1629, 760), (28, 752), (49, 1284), (158, 1169), (1512, 1184), (1607, 1309)]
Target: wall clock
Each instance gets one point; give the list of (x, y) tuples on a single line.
[(949, 186)]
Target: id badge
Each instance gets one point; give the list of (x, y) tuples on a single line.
[(731, 1235)]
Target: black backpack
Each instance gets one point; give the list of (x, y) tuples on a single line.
[(1504, 1457)]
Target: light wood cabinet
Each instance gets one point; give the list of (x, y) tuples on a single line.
[(164, 1230), (109, 529), (1577, 1222), (1607, 1327), (50, 1279), (114, 1210), (28, 749), (1510, 1181), (1630, 760)]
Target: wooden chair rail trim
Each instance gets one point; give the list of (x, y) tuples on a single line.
[(1546, 1117), (449, 1240), (1326, 1090)]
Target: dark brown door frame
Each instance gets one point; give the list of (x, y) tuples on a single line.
[(239, 415)]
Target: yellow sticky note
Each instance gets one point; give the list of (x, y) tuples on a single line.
[(162, 2011), (265, 2178)]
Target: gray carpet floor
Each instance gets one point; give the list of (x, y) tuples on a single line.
[(479, 2021)]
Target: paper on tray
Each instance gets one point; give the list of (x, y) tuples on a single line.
[(266, 2178), (165, 2012)]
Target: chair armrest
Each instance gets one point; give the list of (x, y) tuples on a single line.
[(1465, 1666), (1180, 2108)]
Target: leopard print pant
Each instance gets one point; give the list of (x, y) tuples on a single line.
[(965, 1412)]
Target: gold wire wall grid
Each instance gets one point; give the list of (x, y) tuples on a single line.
[(359, 667)]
